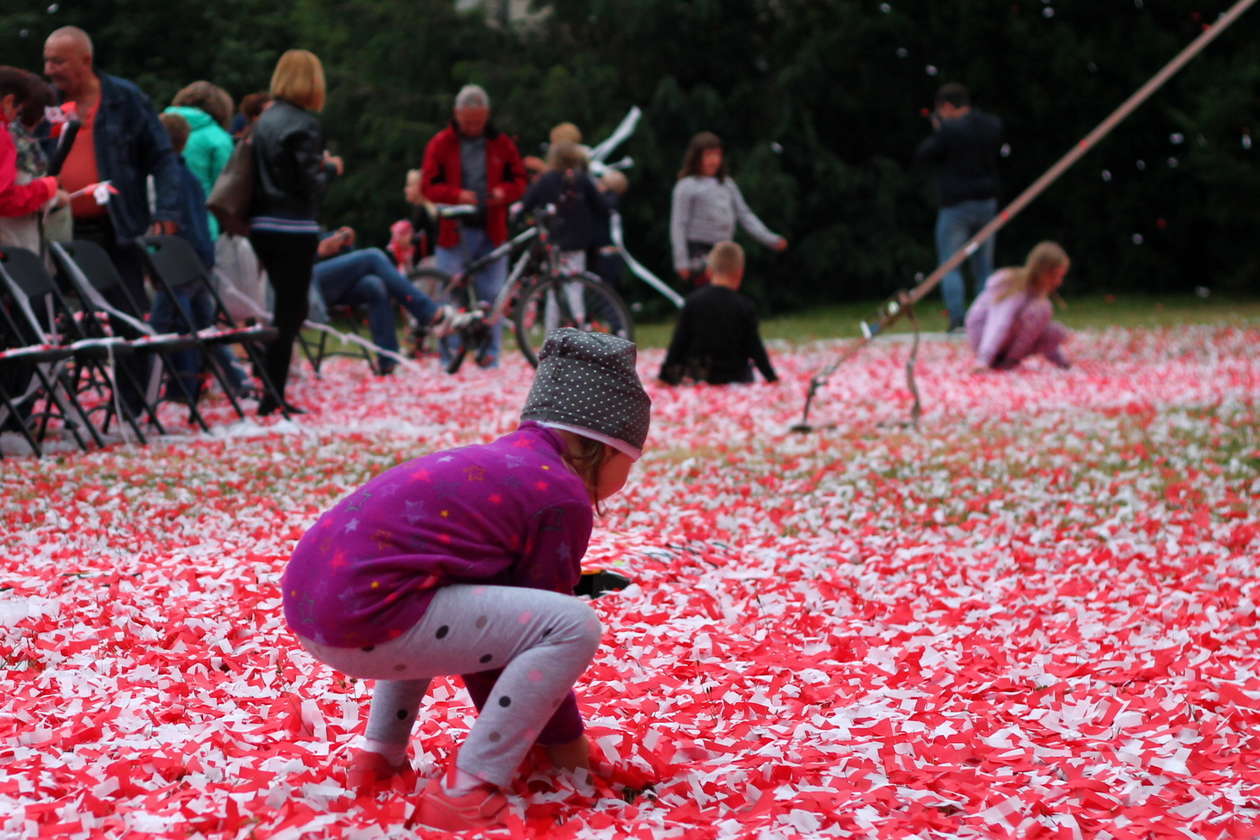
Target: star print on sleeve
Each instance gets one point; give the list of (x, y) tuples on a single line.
[(413, 511), (352, 526), (384, 539)]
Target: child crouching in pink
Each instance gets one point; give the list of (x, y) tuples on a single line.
[(1010, 321), (464, 562)]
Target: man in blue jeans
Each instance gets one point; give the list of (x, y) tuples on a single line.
[(963, 148), (365, 276), (470, 162)]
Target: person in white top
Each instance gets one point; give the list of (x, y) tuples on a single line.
[(706, 206)]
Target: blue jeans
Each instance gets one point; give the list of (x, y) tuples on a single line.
[(954, 226), (198, 308), (367, 277), (473, 242)]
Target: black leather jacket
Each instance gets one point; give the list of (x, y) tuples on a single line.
[(289, 163)]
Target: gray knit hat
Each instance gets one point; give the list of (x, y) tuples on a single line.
[(586, 384)]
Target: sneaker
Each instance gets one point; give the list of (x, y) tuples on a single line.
[(480, 810), (368, 770), (464, 320), (443, 324), (452, 321)]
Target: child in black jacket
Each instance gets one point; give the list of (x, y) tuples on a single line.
[(717, 334)]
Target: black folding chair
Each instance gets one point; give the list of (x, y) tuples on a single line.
[(172, 264), (93, 278), (28, 374), (319, 349), (46, 342)]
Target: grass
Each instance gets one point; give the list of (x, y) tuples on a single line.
[(1082, 313)]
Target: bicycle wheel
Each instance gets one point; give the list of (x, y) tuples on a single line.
[(437, 285), (581, 301), (431, 281)]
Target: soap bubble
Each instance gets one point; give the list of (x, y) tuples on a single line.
[(1005, 151), (1106, 174), (1176, 138), (931, 70), (885, 8), (902, 52), (1172, 163), (1137, 239), (1137, 3), (52, 10), (1202, 291), (1141, 165), (25, 33), (776, 147), (1092, 67), (1246, 140), (1048, 12)]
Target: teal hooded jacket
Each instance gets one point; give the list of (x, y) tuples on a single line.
[(207, 152)]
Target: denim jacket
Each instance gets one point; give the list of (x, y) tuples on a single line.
[(131, 145)]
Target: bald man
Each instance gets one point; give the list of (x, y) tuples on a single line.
[(120, 141)]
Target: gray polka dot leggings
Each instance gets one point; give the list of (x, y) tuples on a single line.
[(519, 650)]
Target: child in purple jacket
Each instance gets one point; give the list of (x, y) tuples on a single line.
[(464, 562), (1010, 321)]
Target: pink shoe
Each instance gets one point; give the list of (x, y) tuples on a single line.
[(482, 809), (369, 770)]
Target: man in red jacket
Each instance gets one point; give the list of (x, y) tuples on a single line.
[(470, 162)]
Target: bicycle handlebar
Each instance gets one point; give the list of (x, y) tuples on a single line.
[(451, 211)]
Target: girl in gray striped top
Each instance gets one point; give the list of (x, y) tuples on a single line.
[(706, 205)]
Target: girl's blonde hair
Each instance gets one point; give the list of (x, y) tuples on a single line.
[(1033, 277), (587, 462), (299, 80), (565, 132), (565, 155)]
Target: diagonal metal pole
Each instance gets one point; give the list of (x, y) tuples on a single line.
[(892, 309)]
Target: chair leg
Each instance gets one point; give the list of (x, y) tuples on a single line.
[(25, 429), (190, 399), (220, 375)]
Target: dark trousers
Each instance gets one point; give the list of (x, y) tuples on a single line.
[(288, 259), (131, 298)]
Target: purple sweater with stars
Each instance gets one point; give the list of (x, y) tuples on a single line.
[(506, 513)]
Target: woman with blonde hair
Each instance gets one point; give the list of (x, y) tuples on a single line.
[(292, 170), (1011, 320)]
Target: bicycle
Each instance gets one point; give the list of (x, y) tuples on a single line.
[(537, 295)]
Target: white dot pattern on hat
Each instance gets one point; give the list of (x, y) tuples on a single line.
[(587, 380)]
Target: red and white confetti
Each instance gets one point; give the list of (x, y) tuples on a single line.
[(1034, 617)]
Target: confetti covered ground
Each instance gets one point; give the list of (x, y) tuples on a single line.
[(1034, 617)]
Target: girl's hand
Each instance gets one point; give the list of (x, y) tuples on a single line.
[(571, 756), (781, 245)]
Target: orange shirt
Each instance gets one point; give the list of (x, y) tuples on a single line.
[(80, 168)]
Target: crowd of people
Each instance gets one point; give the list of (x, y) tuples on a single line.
[(161, 171)]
